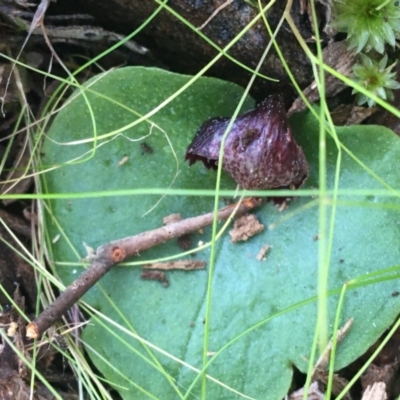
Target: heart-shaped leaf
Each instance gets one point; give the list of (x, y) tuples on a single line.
[(272, 301)]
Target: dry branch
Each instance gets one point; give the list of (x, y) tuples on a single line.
[(110, 254)]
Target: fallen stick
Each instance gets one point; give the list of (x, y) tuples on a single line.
[(113, 253)]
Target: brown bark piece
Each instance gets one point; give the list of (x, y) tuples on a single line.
[(314, 393), (339, 383), (337, 56), (384, 374), (186, 265), (12, 386), (341, 114), (321, 374), (155, 276), (375, 392), (348, 114), (360, 114), (245, 227), (385, 367)]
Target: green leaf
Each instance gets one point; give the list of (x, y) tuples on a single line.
[(272, 301)]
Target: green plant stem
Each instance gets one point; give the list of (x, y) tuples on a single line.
[(335, 342), (216, 202), (323, 262), (383, 5)]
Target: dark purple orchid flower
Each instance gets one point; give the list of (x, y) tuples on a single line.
[(259, 153)]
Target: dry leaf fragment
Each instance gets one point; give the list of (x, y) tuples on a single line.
[(123, 161), (245, 227), (283, 206), (313, 393), (185, 265), (386, 373), (155, 276), (360, 114), (375, 392), (262, 254), (12, 329), (170, 219)]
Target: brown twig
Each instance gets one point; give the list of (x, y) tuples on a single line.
[(217, 10), (110, 254)]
